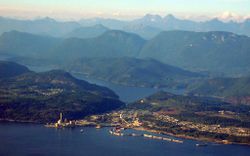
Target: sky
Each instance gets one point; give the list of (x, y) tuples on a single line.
[(124, 9)]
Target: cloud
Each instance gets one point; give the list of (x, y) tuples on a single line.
[(227, 16), (116, 14)]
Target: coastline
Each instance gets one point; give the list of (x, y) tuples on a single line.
[(183, 136), (180, 136), (20, 121), (126, 84)]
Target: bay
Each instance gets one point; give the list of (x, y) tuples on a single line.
[(37, 140)]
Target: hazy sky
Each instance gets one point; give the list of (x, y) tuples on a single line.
[(123, 9)]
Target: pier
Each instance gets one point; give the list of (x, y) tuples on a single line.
[(119, 132)]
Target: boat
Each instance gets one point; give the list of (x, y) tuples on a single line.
[(177, 141), (201, 145), (98, 126), (110, 131)]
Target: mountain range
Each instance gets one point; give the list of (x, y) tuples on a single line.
[(132, 71), (113, 43), (26, 44), (42, 26), (213, 52), (147, 26), (87, 32), (201, 51), (170, 22)]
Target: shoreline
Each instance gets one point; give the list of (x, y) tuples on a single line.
[(181, 136), (151, 86), (20, 121)]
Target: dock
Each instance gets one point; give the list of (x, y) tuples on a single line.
[(118, 132)]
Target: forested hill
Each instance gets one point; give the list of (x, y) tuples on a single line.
[(40, 97)]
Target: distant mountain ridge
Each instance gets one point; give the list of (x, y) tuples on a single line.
[(87, 32), (113, 43), (43, 26), (223, 52), (132, 72), (169, 22), (148, 26), (215, 52), (26, 44)]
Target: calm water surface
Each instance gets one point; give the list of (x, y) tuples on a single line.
[(37, 140), (127, 94)]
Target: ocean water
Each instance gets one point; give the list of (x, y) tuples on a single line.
[(36, 140)]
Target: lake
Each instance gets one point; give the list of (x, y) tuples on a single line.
[(37, 140)]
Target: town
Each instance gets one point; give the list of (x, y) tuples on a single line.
[(120, 121), (118, 125)]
